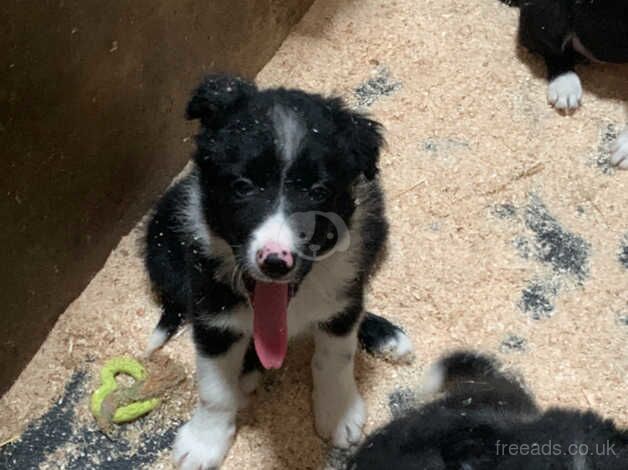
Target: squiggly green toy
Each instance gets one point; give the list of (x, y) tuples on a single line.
[(110, 404)]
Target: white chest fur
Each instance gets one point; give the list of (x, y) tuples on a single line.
[(323, 293)]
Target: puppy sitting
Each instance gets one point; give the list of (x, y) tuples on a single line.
[(485, 420), (275, 231), (566, 31)]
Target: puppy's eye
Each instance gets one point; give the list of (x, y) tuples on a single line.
[(243, 187), (319, 193)]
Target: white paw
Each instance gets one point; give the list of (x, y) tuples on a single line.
[(203, 442), (339, 418), (620, 151), (398, 348), (565, 92)]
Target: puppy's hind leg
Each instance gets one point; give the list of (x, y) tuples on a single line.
[(380, 337), (172, 317)]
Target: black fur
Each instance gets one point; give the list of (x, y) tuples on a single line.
[(483, 421), (375, 331), (343, 323), (550, 28)]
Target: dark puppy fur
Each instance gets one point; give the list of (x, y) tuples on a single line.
[(486, 420), (566, 32), (274, 232)]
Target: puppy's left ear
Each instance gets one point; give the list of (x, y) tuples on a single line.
[(216, 97), (362, 139)]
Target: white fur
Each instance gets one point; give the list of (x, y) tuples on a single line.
[(194, 226), (565, 91), (275, 228), (398, 348), (339, 410), (237, 319), (318, 296), (192, 219), (620, 151), (289, 131), (156, 341), (434, 379), (204, 441)]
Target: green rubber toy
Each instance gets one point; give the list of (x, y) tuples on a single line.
[(109, 389)]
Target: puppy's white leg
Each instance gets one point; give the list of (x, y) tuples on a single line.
[(339, 410), (203, 442), (620, 151), (565, 91)]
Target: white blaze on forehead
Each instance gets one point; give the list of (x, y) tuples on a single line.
[(289, 131)]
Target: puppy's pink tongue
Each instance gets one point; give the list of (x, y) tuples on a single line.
[(270, 328)]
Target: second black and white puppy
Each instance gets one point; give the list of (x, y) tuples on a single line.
[(275, 231), (484, 419), (565, 32)]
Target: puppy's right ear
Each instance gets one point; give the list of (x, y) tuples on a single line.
[(217, 97)]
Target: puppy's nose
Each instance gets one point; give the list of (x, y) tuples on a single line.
[(275, 260)]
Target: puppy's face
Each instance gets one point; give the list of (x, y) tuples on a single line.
[(277, 173)]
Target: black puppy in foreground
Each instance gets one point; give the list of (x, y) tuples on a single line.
[(485, 420), (566, 32)]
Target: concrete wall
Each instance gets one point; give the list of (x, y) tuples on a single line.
[(92, 96)]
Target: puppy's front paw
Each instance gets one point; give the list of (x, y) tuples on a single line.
[(203, 442), (340, 418), (565, 92), (620, 151)]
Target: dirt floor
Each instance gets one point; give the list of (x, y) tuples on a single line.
[(509, 235)]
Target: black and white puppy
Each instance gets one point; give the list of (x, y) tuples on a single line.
[(275, 231), (485, 420), (565, 32)]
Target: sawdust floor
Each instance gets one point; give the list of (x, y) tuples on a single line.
[(509, 235)]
